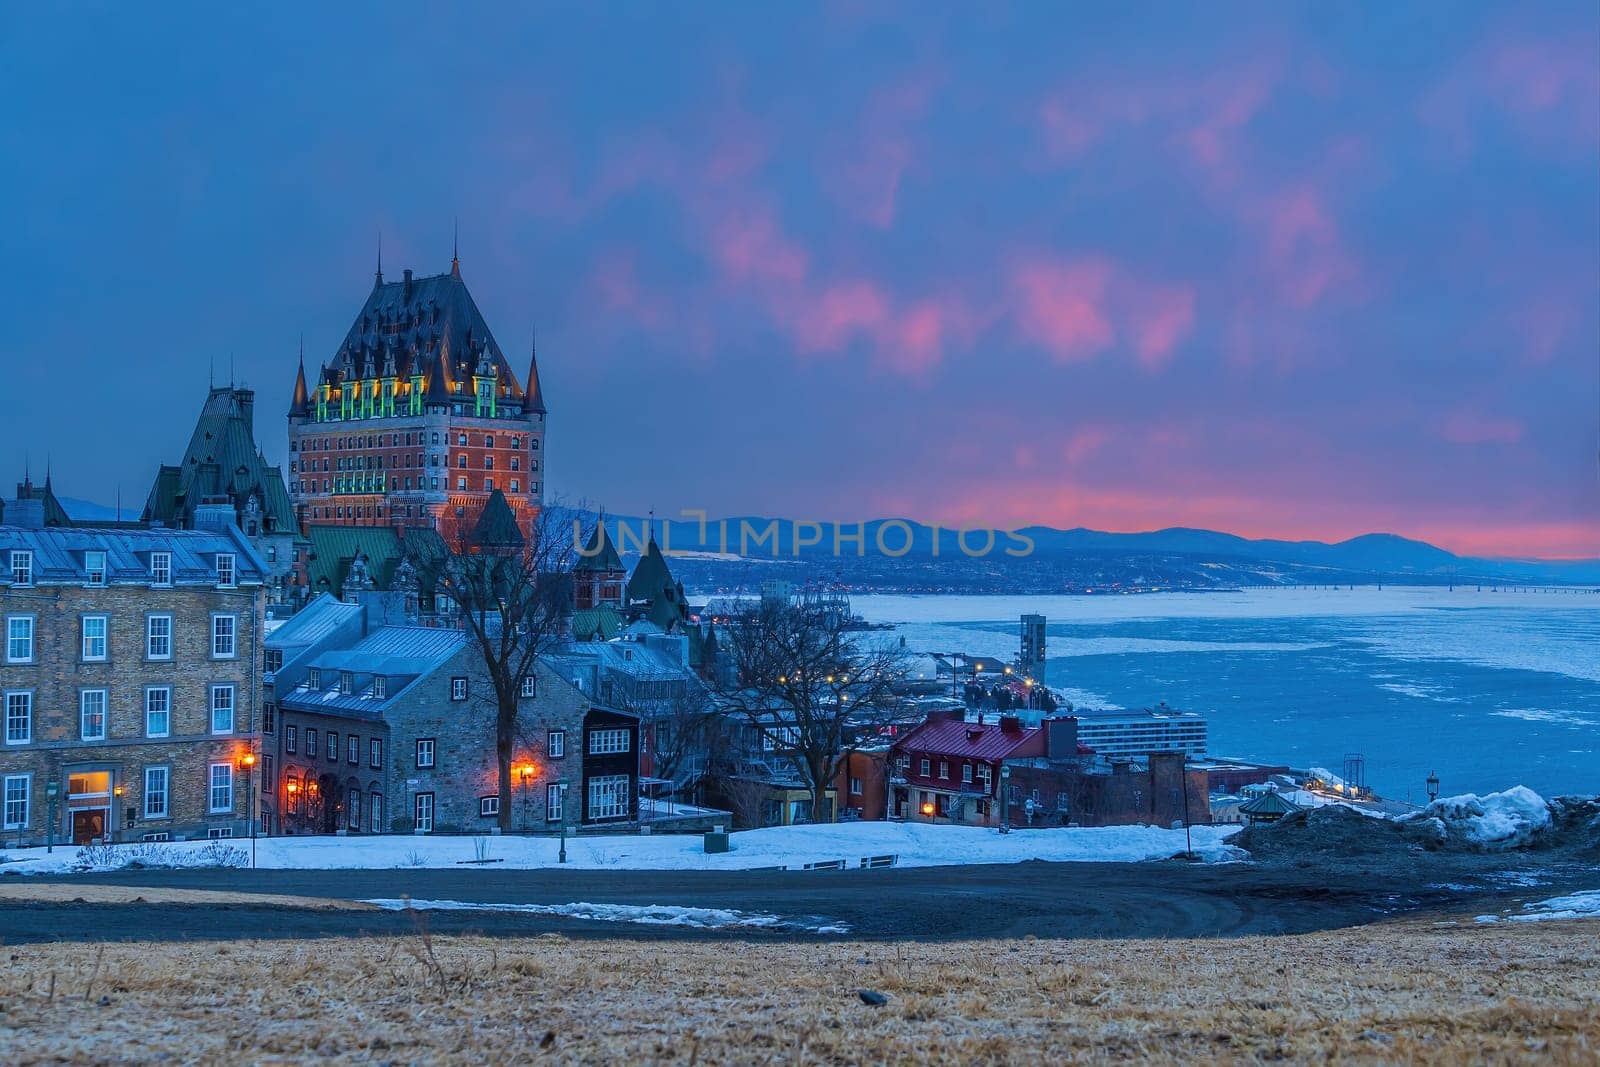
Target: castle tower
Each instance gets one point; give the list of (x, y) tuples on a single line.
[(418, 418)]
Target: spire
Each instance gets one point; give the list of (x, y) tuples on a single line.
[(532, 393), (455, 250), (378, 277), (301, 405)]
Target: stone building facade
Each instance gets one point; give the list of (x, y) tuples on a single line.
[(128, 682), (418, 704)]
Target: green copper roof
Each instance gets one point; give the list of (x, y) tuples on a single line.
[(222, 460), (497, 524), (596, 624), (599, 554), (334, 547)]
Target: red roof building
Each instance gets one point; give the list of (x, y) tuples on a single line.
[(947, 769)]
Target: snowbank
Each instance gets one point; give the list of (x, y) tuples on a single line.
[(645, 914), (915, 845), (1572, 906), (1499, 820)]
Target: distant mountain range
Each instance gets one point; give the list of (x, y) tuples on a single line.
[(899, 554)]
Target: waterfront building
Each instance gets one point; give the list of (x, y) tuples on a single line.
[(127, 678), (1122, 734), (417, 418)]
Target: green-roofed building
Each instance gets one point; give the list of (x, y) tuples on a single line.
[(654, 595), (223, 475), (347, 561)]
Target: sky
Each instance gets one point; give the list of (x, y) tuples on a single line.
[(1300, 271)]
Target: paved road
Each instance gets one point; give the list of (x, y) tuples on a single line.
[(1172, 899)]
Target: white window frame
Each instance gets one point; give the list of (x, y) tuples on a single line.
[(489, 806), (553, 807), (85, 698), (855, 787), (221, 632), (26, 703), (352, 752), (966, 774), (22, 567), (610, 741), (8, 804), (166, 712), (161, 569), (555, 745), (219, 785), (927, 768), (227, 570), (94, 575), (91, 653), (432, 751), (380, 686), (375, 753), (12, 639), (608, 797), (151, 637), (530, 686), (375, 811), (458, 689), (164, 791), (232, 706), (422, 808)]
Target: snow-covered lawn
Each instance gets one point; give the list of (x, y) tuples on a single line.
[(915, 845)]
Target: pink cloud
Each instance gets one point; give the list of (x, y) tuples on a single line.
[(868, 171), (1078, 308), (1304, 247), (1549, 87), (1063, 305), (1162, 317), (750, 245), (1470, 428), (1084, 443)]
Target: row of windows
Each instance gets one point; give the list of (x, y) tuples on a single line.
[(94, 634), (324, 444), (395, 484), (16, 794), (94, 567), (93, 705), (329, 742), (375, 463), (925, 770), (352, 806)]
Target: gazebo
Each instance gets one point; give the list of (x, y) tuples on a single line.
[(1268, 807)]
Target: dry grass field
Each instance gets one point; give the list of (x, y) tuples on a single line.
[(1410, 993)]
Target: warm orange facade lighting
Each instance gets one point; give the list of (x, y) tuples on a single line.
[(927, 807)]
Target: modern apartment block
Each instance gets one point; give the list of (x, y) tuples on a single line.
[(128, 680), (1124, 734)]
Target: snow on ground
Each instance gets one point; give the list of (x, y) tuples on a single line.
[(1501, 820), (916, 845), (1572, 906), (646, 914)]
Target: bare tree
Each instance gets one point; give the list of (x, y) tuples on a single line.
[(511, 588), (811, 682)]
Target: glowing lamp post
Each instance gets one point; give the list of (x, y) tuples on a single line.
[(247, 765), (1433, 786), (562, 786)]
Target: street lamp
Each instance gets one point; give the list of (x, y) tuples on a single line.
[(51, 789), (1005, 799), (247, 764), (526, 773), (562, 785), (1433, 786)]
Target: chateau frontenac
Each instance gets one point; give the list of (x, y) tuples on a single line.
[(418, 417)]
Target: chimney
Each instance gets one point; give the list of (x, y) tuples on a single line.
[(246, 399), (1010, 724), (407, 290)]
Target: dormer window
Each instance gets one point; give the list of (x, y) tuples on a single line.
[(161, 568), (313, 679), (347, 682), (94, 566), (225, 569), (380, 687), (21, 567)]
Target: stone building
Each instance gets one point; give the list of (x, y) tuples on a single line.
[(224, 471), (417, 418), (127, 680), (411, 718)]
